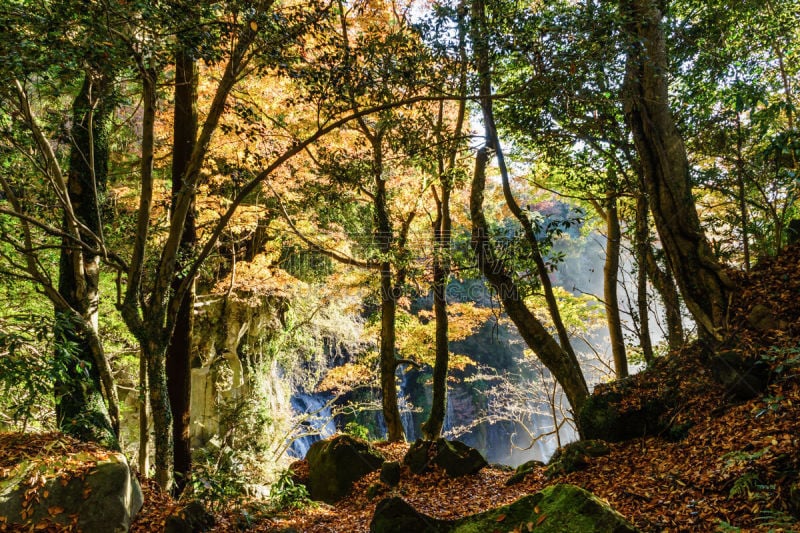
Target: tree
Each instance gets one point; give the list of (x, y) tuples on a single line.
[(447, 172), (178, 365), (38, 55), (560, 360), (378, 60), (701, 278)]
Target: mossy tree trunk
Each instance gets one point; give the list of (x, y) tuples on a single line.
[(81, 409)]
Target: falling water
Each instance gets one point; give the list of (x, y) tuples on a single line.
[(318, 423)]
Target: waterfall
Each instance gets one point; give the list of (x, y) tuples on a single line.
[(315, 421), (410, 425)]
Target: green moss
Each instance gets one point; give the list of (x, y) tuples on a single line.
[(556, 509)]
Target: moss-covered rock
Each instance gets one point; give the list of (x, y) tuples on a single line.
[(101, 497), (390, 473), (395, 515), (575, 456), (454, 457), (336, 463), (557, 509), (523, 470), (613, 415)]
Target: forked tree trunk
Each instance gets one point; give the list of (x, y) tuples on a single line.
[(493, 143), (442, 228), (703, 283)]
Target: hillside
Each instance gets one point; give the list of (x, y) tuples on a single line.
[(736, 467)]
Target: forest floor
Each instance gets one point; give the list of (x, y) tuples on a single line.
[(734, 470)]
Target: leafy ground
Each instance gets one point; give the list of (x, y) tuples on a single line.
[(733, 471)]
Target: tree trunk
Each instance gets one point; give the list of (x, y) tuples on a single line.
[(80, 407), (155, 355), (179, 351), (388, 365), (665, 285), (642, 244), (740, 179), (493, 143), (704, 285), (610, 280), (564, 367), (432, 428), (144, 418)]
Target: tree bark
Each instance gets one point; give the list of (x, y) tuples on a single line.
[(493, 143), (388, 364), (144, 418), (701, 279), (610, 281), (564, 367), (432, 428), (642, 244), (158, 393), (665, 285), (80, 406), (178, 363)]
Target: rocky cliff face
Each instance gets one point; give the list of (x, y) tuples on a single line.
[(229, 331)]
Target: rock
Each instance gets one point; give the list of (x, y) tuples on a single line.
[(454, 457), (575, 456), (373, 490), (336, 463), (794, 498), (523, 470), (556, 509), (394, 515), (106, 499), (390, 473), (793, 231), (603, 416), (762, 319), (192, 518), (743, 379)]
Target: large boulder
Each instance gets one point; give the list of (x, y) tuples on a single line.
[(334, 464), (101, 498), (395, 515), (556, 509), (454, 457)]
